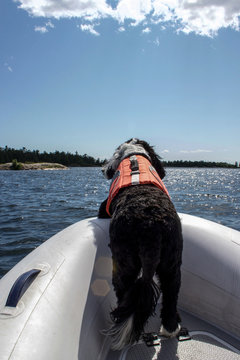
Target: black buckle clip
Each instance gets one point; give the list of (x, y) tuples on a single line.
[(183, 335), (134, 164), (135, 172), (151, 339)]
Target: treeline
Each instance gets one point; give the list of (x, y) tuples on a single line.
[(34, 156), (201, 164)]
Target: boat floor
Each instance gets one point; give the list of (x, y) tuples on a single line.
[(207, 343)]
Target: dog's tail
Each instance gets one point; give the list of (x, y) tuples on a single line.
[(133, 311)]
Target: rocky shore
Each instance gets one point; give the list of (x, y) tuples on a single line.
[(34, 166)]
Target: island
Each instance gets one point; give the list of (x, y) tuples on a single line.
[(30, 157), (14, 165)]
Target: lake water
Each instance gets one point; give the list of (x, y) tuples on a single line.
[(34, 205)]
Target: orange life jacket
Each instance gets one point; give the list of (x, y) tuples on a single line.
[(134, 170)]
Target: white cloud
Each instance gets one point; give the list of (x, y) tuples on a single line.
[(50, 24), (136, 10), (156, 42), (44, 29), (207, 17), (147, 30), (203, 17), (41, 29), (165, 151), (10, 69), (121, 29), (195, 151), (88, 9), (89, 28)]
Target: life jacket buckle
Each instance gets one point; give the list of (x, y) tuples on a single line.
[(135, 172), (134, 164)]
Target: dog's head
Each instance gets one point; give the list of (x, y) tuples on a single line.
[(133, 147)]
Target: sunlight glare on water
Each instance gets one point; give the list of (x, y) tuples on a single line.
[(35, 205)]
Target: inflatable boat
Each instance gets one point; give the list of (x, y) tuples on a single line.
[(55, 302)]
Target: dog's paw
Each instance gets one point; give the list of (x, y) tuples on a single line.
[(166, 333)]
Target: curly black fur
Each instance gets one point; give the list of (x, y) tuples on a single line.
[(146, 239)]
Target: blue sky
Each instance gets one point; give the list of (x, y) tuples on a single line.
[(85, 76)]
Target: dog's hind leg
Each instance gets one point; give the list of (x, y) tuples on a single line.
[(137, 297), (170, 285), (125, 272), (126, 269)]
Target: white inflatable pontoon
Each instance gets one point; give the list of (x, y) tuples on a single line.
[(55, 302)]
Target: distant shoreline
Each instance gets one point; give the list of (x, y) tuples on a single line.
[(25, 157), (199, 164), (57, 166), (33, 166)]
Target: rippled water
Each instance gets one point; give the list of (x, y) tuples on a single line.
[(35, 205), (209, 193)]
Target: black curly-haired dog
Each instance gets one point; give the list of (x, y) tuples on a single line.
[(145, 240)]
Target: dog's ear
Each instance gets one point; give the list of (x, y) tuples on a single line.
[(155, 158), (111, 165), (108, 172), (102, 213)]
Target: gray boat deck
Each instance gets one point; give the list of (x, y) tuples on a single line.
[(207, 343)]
